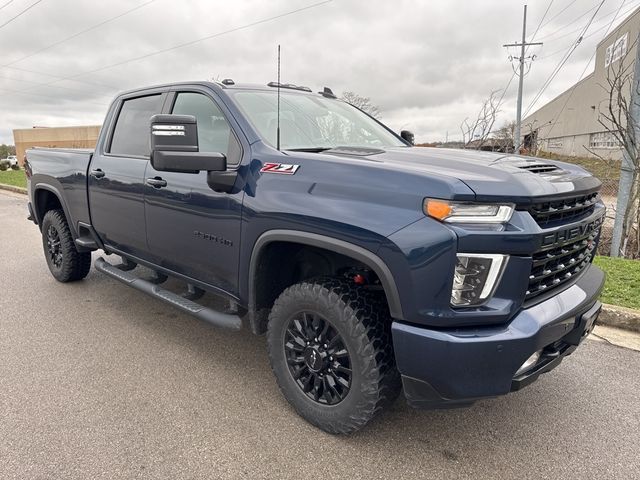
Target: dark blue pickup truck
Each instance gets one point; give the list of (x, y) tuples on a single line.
[(373, 266)]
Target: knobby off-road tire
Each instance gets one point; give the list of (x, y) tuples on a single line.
[(65, 262), (360, 320)]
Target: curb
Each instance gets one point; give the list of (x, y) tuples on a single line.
[(620, 317), (11, 188)]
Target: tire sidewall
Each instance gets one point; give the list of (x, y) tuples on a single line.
[(48, 222), (54, 219), (345, 322)]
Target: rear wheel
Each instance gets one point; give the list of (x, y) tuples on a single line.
[(330, 350), (65, 262)]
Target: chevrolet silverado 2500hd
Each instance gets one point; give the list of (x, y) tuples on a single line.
[(374, 267)]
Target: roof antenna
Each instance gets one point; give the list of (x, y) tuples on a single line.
[(278, 127)]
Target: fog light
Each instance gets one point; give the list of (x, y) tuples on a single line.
[(529, 362), (474, 278)]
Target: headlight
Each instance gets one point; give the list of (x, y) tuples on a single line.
[(475, 278), (459, 212)]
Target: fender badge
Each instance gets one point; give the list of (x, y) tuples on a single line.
[(282, 168)]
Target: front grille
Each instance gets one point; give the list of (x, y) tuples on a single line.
[(557, 212), (557, 265)]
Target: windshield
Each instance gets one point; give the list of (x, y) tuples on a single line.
[(308, 122)]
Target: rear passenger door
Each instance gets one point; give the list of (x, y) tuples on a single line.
[(116, 175), (192, 229)]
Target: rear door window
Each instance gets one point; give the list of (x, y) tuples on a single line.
[(131, 133)]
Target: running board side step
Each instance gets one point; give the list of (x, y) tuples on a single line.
[(208, 315)]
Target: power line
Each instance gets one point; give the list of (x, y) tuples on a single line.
[(37, 84), (193, 42), (2, 6), (20, 14), (562, 62), (36, 72), (72, 78), (549, 36), (559, 13), (75, 35), (570, 32), (20, 92), (592, 33), (583, 71)]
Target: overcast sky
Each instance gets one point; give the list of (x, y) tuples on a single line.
[(426, 64)]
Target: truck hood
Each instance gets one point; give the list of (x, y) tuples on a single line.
[(491, 176)]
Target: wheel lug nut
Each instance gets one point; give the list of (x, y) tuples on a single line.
[(325, 345)]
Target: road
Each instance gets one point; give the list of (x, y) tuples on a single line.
[(100, 381)]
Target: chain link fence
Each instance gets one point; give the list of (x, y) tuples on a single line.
[(608, 171), (609, 195)]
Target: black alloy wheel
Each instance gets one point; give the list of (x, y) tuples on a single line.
[(54, 247), (331, 352), (318, 358), (65, 262)]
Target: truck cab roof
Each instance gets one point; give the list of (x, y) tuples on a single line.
[(231, 85)]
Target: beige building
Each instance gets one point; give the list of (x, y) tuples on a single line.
[(71, 137), (570, 123)]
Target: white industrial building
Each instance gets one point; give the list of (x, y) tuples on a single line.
[(569, 124)]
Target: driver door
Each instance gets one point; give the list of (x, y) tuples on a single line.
[(192, 229)]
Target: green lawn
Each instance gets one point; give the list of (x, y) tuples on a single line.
[(600, 168), (14, 177), (623, 281)]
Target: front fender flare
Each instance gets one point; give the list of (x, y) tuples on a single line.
[(356, 252)]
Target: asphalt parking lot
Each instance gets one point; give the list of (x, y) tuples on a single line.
[(100, 381)]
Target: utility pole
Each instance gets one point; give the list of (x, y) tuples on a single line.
[(522, 61), (628, 165)]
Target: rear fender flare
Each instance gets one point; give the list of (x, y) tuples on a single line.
[(60, 197)]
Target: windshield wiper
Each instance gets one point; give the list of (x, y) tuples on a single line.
[(309, 149)]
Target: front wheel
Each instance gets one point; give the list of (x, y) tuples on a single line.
[(331, 352), (65, 262)]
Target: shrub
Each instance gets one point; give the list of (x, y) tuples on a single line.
[(4, 165), (15, 166)]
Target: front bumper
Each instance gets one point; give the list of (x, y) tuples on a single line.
[(444, 368)]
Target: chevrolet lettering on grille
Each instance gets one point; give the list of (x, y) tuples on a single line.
[(562, 236)]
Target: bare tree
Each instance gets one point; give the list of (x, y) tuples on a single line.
[(476, 132), (504, 137), (616, 118), (532, 142), (363, 103)]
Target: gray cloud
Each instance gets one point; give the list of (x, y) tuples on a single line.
[(427, 64)]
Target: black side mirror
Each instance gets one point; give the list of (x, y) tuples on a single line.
[(174, 146), (407, 136)]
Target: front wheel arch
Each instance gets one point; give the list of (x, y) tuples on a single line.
[(341, 247)]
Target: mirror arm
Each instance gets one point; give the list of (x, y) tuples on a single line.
[(222, 182)]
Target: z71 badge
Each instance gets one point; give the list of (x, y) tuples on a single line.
[(283, 168)]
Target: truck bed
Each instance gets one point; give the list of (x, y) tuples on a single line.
[(64, 170)]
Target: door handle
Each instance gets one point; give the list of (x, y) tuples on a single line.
[(157, 182), (97, 173)]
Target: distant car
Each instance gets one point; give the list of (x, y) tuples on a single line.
[(13, 160)]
